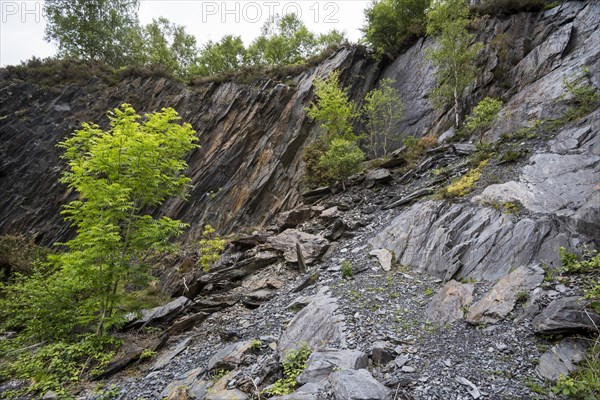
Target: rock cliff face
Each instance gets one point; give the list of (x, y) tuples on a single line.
[(494, 240), (249, 167)]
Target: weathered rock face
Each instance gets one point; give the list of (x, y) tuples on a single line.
[(561, 182), (317, 324), (545, 48), (248, 169), (501, 299), (462, 240), (448, 304), (562, 358)]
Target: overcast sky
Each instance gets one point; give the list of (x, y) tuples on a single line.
[(22, 24)]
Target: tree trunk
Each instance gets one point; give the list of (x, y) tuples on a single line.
[(456, 109)]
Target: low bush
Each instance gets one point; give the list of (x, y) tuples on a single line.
[(342, 160), (57, 365), (211, 247), (293, 365), (347, 270), (60, 72), (588, 263), (483, 116), (19, 254), (462, 186), (583, 93), (507, 7), (315, 175)]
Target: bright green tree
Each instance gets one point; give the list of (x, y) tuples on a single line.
[(283, 40), (389, 23), (220, 57), (382, 112), (332, 39), (68, 303), (453, 55), (483, 116), (333, 108), (167, 45), (286, 40), (93, 29), (119, 174), (336, 155), (342, 159)]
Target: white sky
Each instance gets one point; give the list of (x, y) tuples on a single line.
[(22, 24)]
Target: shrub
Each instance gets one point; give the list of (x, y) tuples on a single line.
[(390, 24), (347, 270), (589, 263), (505, 7), (293, 365), (211, 247), (382, 111), (584, 94), (483, 116), (463, 185), (416, 147), (19, 254), (57, 365), (342, 160), (511, 155), (315, 174), (427, 142), (333, 109)]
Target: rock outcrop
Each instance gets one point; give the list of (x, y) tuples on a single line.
[(419, 264), (247, 170)]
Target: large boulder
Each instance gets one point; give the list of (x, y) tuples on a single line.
[(462, 240), (160, 315), (323, 363), (292, 218), (503, 296), (567, 315), (230, 356), (561, 359), (448, 304), (317, 325), (357, 385), (312, 246)]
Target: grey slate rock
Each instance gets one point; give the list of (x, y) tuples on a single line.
[(379, 175), (566, 315), (323, 363), (165, 358), (292, 218), (313, 246), (466, 241), (230, 356), (561, 359), (501, 299), (317, 324), (448, 304), (159, 315), (382, 353), (357, 385)]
